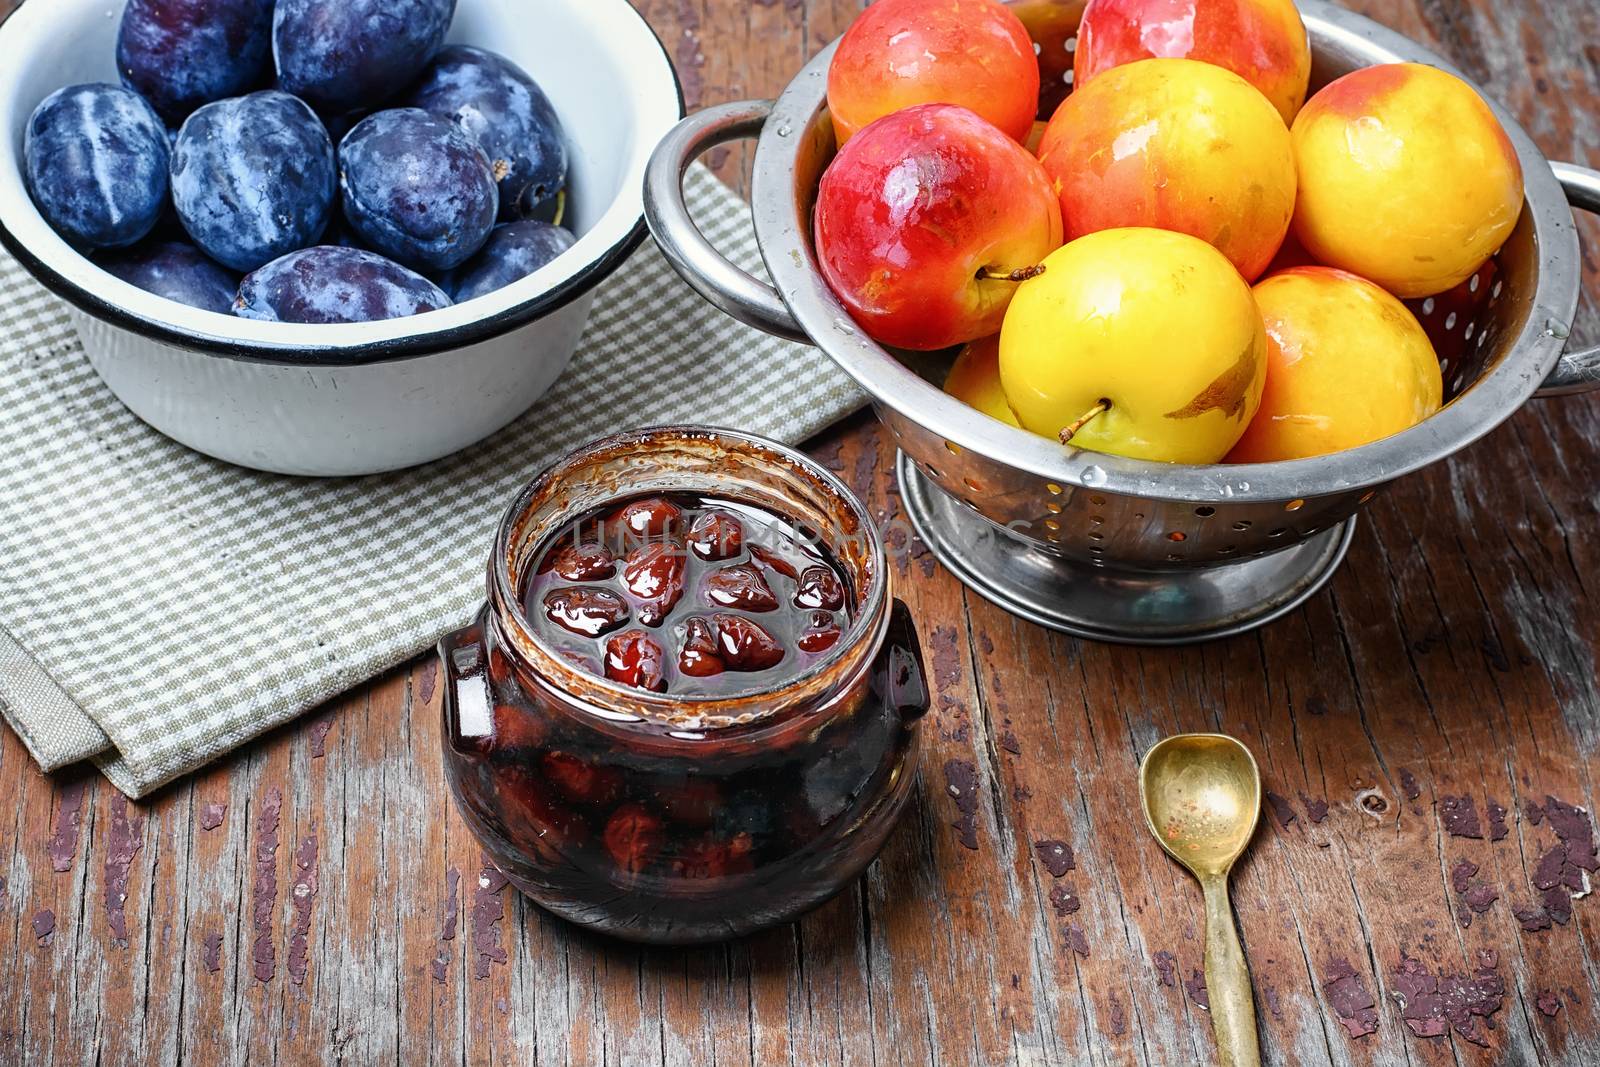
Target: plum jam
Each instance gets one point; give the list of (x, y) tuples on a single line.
[(688, 595), (688, 710)]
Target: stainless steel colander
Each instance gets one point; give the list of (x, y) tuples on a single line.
[(1099, 545)]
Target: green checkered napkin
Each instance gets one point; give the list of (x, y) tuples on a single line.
[(159, 608)]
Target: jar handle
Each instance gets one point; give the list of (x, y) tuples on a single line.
[(468, 705), (898, 678)]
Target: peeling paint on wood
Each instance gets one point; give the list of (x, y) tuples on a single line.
[(63, 846), (1432, 1005), (122, 842), (1056, 857), (317, 737), (1460, 817), (427, 678), (1282, 810), (488, 908), (1166, 968), (211, 816), (961, 782), (264, 891), (1350, 999), (1195, 986), (213, 953), (447, 930), (1064, 899), (303, 896)]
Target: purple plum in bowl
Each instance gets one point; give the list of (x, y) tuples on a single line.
[(95, 164), (509, 116)]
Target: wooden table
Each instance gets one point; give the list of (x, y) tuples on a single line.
[(314, 896)]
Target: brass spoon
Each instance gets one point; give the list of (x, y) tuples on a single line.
[(1202, 798)]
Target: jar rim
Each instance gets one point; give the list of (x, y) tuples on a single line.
[(698, 712)]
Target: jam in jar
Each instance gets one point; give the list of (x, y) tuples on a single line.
[(688, 595), (688, 709)]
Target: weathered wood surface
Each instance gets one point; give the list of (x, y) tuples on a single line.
[(314, 897)]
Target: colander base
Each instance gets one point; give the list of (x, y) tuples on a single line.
[(1107, 603)]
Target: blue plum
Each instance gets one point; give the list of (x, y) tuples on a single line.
[(178, 271), (513, 251), (496, 102), (417, 188), (179, 54), (333, 284), (340, 55), (253, 178), (95, 163)]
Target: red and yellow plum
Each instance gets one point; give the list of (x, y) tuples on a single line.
[(1406, 178), (900, 53), (924, 221), (1262, 41), (1175, 144)]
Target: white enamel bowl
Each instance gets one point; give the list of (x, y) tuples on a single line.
[(368, 397)]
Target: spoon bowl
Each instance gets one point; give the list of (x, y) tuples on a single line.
[(1202, 800)]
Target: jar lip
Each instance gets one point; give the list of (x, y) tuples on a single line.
[(684, 711)]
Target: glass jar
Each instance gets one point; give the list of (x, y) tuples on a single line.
[(678, 819)]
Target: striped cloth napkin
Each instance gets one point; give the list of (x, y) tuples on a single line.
[(159, 608)]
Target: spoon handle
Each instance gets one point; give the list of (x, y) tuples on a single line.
[(1233, 1011)]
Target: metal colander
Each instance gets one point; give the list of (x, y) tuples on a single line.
[(1100, 545)]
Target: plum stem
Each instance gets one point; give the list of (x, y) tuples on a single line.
[(1021, 274), (1069, 431), (561, 207)]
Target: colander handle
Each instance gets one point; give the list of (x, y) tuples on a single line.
[(735, 291), (1578, 372)]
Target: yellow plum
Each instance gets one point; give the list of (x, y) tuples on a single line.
[(1347, 364), (1140, 342), (1406, 178), (974, 379)]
